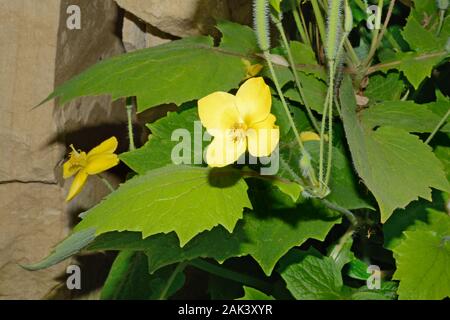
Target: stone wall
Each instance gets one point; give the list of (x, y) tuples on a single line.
[(37, 53)]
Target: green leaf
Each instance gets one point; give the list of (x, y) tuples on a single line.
[(314, 89), (266, 234), (415, 66), (310, 276), (71, 245), (424, 39), (396, 166), (357, 269), (384, 88), (175, 72), (423, 261), (181, 129), (443, 154), (129, 279), (302, 53), (404, 115), (421, 39), (187, 200), (413, 216), (254, 294), (388, 291)]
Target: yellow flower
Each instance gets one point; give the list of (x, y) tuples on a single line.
[(239, 122), (251, 69), (80, 164)]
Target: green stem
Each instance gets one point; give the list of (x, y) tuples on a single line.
[(376, 40), (286, 110), (294, 71), (300, 27), (106, 182), (130, 124), (352, 54), (319, 19), (334, 254), (330, 122), (441, 21), (179, 268), (231, 275), (347, 213), (322, 137), (438, 126)]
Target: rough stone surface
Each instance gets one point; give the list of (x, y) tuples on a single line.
[(31, 204), (178, 17), (37, 52), (28, 33)]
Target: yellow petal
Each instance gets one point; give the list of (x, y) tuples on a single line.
[(263, 137), (254, 100), (75, 163), (251, 70), (218, 111), (101, 162), (107, 146), (77, 185), (69, 169), (223, 150), (309, 136)]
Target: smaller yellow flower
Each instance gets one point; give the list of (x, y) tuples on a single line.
[(80, 164), (239, 123), (251, 69), (309, 136)]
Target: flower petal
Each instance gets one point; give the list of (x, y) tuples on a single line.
[(69, 169), (75, 163), (254, 100), (77, 185), (218, 111), (309, 136), (107, 146), (101, 162), (224, 151), (263, 137)]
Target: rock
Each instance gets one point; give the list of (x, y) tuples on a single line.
[(33, 221), (179, 18), (38, 51)]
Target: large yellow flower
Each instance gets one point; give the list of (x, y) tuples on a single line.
[(239, 122), (80, 164)]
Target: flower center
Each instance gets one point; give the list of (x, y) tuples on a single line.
[(77, 158), (238, 132)]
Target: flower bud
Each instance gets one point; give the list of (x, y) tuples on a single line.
[(348, 23), (442, 4), (305, 165)]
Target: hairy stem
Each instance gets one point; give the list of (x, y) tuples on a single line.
[(130, 123), (286, 110), (294, 71)]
